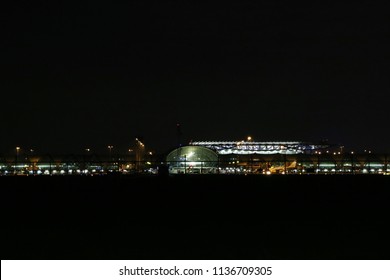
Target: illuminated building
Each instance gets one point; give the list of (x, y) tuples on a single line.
[(192, 159), (249, 147)]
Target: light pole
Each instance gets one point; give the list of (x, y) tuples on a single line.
[(85, 169), (318, 162), (16, 159), (140, 148), (131, 160), (32, 163), (130, 154), (352, 163), (110, 147)]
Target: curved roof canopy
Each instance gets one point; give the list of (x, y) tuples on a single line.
[(192, 156)]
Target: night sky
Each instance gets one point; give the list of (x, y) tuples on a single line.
[(93, 74)]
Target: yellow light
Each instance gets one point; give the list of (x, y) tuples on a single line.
[(249, 138)]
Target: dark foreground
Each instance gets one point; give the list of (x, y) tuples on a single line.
[(196, 217)]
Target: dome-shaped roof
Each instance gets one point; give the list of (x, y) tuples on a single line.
[(192, 156)]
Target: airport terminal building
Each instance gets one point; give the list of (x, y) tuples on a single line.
[(207, 157), (283, 157)]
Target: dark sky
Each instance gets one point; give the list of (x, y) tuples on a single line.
[(93, 74)]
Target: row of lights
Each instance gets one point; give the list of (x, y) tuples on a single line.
[(338, 153), (110, 147)]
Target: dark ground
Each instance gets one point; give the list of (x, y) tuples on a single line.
[(196, 217)]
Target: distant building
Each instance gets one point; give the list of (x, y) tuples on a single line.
[(266, 148), (249, 157), (192, 159)]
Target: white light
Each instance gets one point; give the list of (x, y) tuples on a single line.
[(190, 154)]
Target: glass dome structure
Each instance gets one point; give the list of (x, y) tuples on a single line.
[(192, 159)]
